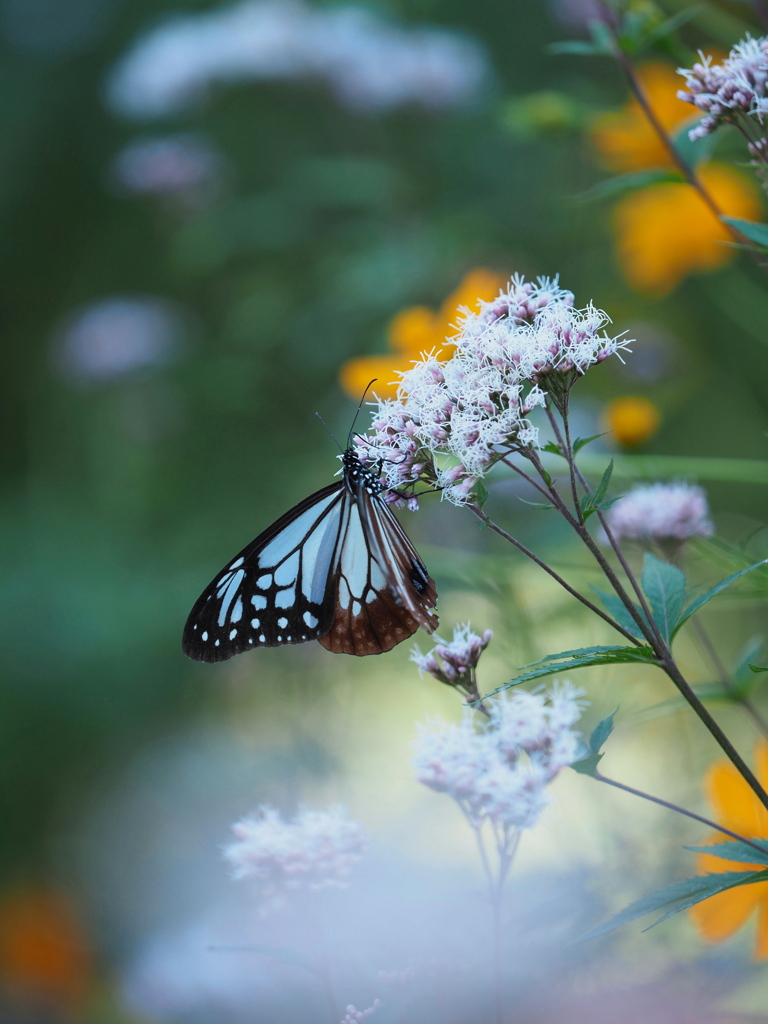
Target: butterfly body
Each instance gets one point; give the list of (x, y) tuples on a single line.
[(337, 568)]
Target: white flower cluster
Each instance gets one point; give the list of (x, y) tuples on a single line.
[(501, 772), (315, 850), (355, 1016), (508, 357), (184, 167), (452, 661), (368, 62), (661, 512), (723, 92)]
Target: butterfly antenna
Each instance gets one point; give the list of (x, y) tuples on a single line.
[(329, 431), (360, 406)]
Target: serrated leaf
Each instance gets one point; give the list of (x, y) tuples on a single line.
[(733, 849), (593, 501), (553, 448), (582, 652), (699, 602), (572, 660), (750, 229), (615, 608), (664, 586), (622, 184), (677, 897)]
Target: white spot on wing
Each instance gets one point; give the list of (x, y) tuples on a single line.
[(237, 611), (282, 622), (310, 619), (262, 639), (205, 635), (255, 623), (232, 634), (264, 582), (259, 601), (356, 608), (237, 563), (285, 598)]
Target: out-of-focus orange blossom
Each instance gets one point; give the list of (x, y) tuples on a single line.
[(738, 809), (667, 231), (416, 330), (632, 419), (625, 139), (44, 957)]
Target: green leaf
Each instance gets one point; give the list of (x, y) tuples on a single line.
[(750, 229), (480, 492), (664, 586), (624, 183), (733, 849), (583, 658), (596, 499), (553, 448), (587, 765), (704, 598), (581, 442), (679, 897), (615, 608), (576, 48), (694, 151), (536, 504), (758, 668), (601, 732)]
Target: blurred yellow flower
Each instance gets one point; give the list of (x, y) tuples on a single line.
[(632, 419), (625, 140), (739, 810), (667, 231), (415, 330)]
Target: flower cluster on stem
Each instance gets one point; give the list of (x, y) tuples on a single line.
[(453, 662), (500, 772), (734, 92), (314, 850), (458, 413)]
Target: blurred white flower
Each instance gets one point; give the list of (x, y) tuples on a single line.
[(119, 336), (355, 1016), (184, 167), (315, 850), (368, 62), (662, 513), (526, 345), (501, 772)]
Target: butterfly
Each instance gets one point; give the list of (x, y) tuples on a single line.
[(338, 568)]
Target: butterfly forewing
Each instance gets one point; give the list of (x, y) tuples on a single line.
[(278, 590), (337, 568)]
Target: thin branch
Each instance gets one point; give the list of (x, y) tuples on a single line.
[(679, 810), (478, 512)]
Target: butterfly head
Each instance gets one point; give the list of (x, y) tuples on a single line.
[(358, 475)]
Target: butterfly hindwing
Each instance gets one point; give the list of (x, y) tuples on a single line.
[(278, 590), (383, 591)]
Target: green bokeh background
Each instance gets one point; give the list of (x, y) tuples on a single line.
[(121, 500)]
